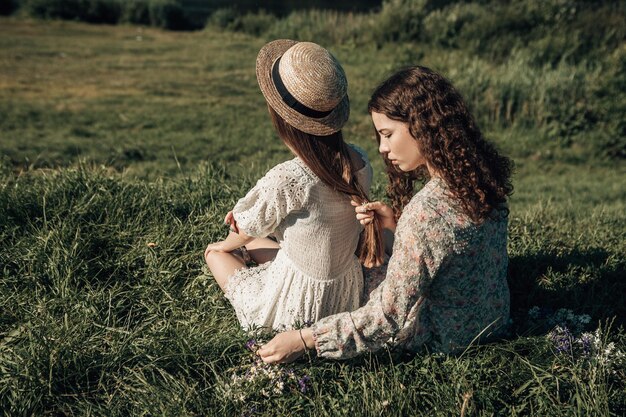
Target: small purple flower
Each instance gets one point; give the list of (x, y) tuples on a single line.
[(562, 339), (251, 345), (304, 383)]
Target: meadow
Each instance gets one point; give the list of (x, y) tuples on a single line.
[(123, 147)]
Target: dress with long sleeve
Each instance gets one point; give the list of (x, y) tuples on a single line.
[(315, 272), (445, 284)]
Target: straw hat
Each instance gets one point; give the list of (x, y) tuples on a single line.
[(305, 85)]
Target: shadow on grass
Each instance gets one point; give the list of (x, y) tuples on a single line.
[(590, 282)]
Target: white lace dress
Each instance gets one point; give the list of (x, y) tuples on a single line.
[(315, 273)]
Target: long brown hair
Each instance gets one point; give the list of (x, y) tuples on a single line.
[(328, 157), (478, 177)]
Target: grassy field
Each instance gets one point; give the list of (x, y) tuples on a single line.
[(123, 147)]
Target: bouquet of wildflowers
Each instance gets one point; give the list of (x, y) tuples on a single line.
[(588, 347), (568, 338), (257, 380)]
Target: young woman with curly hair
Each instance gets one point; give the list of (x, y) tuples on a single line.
[(445, 284)]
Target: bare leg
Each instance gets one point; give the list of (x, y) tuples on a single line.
[(262, 250), (223, 265)]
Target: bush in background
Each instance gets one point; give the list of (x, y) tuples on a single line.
[(256, 24), (7, 7), (167, 14), (442, 27), (137, 12), (92, 11), (325, 27), (223, 18)]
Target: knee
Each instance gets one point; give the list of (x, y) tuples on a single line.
[(211, 257)]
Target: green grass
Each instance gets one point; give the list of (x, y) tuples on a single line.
[(120, 158)]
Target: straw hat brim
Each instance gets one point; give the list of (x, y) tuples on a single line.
[(324, 126)]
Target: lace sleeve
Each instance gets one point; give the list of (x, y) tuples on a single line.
[(280, 192)]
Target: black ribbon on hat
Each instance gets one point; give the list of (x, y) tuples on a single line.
[(290, 100)]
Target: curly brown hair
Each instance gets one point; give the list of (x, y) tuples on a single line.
[(478, 177)]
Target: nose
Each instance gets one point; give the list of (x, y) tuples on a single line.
[(383, 146)]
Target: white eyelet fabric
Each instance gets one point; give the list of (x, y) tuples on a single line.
[(315, 273)]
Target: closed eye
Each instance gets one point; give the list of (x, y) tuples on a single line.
[(385, 134)]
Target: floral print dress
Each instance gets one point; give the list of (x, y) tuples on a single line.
[(445, 284)]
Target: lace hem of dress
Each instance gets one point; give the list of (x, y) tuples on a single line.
[(241, 274)]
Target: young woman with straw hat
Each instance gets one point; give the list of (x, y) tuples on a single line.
[(445, 286), (311, 271)]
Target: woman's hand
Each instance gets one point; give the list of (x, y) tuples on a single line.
[(365, 214), (214, 247), (286, 347), (230, 220)]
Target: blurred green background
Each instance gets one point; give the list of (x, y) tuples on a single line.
[(545, 79)]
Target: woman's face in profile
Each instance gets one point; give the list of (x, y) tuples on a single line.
[(397, 143)]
